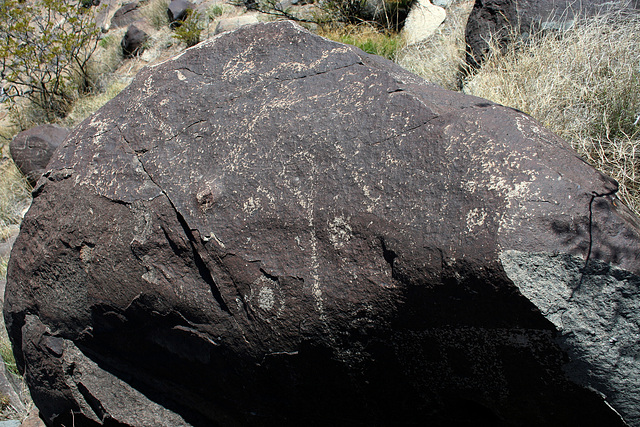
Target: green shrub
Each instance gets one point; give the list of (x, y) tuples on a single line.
[(367, 38), (45, 48), (582, 83), (7, 356), (106, 41), (189, 31), (215, 11)]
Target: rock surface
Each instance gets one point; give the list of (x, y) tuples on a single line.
[(233, 23), (32, 149), (277, 229), (134, 40), (497, 19), (126, 15), (105, 13), (33, 419), (178, 10), (422, 21)]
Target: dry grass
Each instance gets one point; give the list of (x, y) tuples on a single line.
[(441, 58), (7, 410), (86, 106), (155, 13), (14, 196), (583, 84)]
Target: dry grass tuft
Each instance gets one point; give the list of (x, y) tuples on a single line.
[(155, 13), (87, 105), (15, 196), (582, 83), (441, 58)]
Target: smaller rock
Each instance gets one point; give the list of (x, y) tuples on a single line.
[(285, 4), (33, 419), (422, 22), (178, 11), (32, 149), (134, 40), (230, 24), (126, 15), (442, 3)]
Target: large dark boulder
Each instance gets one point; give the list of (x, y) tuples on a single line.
[(32, 149), (274, 229), (500, 20)]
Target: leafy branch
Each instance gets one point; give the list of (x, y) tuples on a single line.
[(45, 48)]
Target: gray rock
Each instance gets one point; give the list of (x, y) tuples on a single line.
[(233, 23), (105, 13), (595, 309), (276, 229), (32, 149), (423, 21), (442, 3), (33, 419)]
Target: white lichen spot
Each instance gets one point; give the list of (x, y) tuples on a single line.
[(180, 75), (265, 294), (469, 186), (268, 195), (251, 205), (340, 231), (86, 253), (475, 219), (266, 298), (151, 276)]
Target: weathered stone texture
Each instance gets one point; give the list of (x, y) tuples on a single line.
[(32, 149), (277, 229)]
